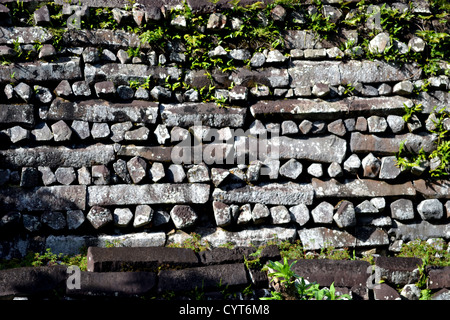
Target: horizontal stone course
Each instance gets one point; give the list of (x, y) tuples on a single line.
[(323, 109), (360, 188), (31, 280), (35, 72), (272, 193), (43, 198), (334, 73), (103, 111), (54, 157), (147, 194), (343, 273), (17, 113), (139, 258)]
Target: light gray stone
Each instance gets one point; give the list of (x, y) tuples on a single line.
[(377, 124), (291, 169), (139, 134), (344, 215), (61, 131), (162, 133), (402, 209), (366, 207), (280, 215), (323, 213), (299, 214), (271, 194), (81, 128), (403, 88), (54, 219), (84, 176), (47, 175), (175, 173), (122, 217), (157, 172), (244, 214), (198, 173), (17, 134), (142, 216), (352, 164), (379, 43), (389, 168), (430, 209), (260, 213)]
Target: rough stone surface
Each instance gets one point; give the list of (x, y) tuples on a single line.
[(272, 193), (183, 216), (99, 216), (147, 194)]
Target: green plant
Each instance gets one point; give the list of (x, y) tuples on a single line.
[(436, 254), (292, 286), (194, 242)]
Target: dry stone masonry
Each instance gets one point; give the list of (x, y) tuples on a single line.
[(140, 124)]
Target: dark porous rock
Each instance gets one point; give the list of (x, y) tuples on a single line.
[(139, 258), (232, 275), (75, 219), (439, 278), (56, 156), (360, 188), (61, 131), (65, 69), (99, 216), (385, 292), (32, 280), (272, 194), (113, 284)]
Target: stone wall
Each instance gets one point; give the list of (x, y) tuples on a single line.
[(109, 136)]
